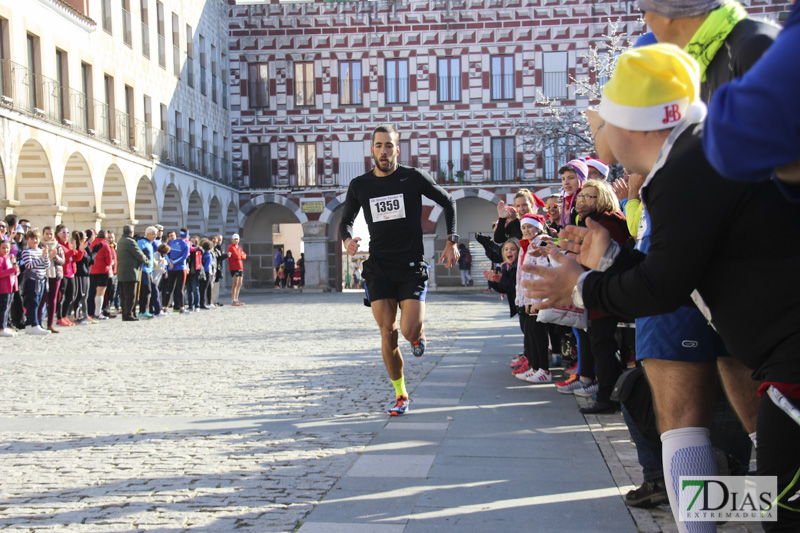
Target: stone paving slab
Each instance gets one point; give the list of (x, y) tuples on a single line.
[(218, 421), (256, 418)]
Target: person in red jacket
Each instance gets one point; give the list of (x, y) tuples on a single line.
[(236, 256), (68, 286), (101, 271)]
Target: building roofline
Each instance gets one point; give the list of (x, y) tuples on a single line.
[(63, 8)]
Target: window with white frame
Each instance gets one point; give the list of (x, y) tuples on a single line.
[(502, 77), (503, 159), (396, 81), (304, 90), (554, 74), (449, 78), (306, 164), (449, 159), (349, 82), (258, 85)]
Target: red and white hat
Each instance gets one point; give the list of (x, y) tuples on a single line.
[(601, 167), (537, 221)]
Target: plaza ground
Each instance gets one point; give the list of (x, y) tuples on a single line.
[(271, 417)]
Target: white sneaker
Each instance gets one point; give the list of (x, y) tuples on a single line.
[(7, 333), (541, 376), (36, 330), (587, 390), (527, 374), (161, 314)]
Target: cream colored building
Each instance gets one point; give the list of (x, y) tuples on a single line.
[(115, 112)]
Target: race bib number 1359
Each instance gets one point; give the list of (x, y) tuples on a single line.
[(387, 208)]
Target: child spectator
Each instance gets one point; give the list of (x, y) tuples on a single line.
[(55, 272), (82, 267), (36, 262), (533, 227), (8, 285), (206, 274)]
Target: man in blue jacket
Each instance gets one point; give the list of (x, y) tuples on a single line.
[(146, 245), (179, 251)]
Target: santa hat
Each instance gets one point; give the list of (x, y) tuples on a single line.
[(537, 221), (601, 167), (653, 88)]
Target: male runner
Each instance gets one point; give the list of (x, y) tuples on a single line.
[(391, 196)]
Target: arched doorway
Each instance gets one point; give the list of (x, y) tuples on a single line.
[(195, 219), (215, 224), (171, 211), (114, 201), (77, 194), (270, 224), (231, 220), (145, 205), (34, 185)]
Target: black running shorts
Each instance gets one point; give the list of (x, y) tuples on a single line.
[(382, 282)]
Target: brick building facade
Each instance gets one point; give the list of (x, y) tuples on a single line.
[(310, 80)]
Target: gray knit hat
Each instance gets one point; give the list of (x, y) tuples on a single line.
[(678, 9)]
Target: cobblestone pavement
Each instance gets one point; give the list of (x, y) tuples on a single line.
[(231, 419)]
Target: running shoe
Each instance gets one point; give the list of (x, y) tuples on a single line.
[(521, 369), (161, 314), (101, 316), (418, 347), (82, 323), (518, 359), (570, 387), (527, 374), (567, 381), (521, 361), (572, 370), (587, 389), (541, 376), (401, 407), (63, 323), (145, 315), (7, 333)]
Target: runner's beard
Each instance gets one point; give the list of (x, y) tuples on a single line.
[(384, 167)]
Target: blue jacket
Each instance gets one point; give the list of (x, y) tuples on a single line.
[(147, 247), (208, 259), (753, 122), (177, 255)]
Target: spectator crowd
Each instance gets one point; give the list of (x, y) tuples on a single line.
[(53, 277), (700, 110)]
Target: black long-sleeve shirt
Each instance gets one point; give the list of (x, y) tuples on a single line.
[(393, 210), (748, 277)]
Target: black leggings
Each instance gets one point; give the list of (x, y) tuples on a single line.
[(176, 280), (599, 353), (777, 455), (67, 297), (536, 338)]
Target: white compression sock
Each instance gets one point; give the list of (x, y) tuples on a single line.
[(687, 452), (754, 439), (98, 305)]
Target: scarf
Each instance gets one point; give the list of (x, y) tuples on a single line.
[(711, 35)]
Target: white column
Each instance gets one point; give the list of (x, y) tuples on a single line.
[(429, 253), (315, 241)]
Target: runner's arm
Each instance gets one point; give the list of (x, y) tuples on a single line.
[(441, 197), (351, 208)]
